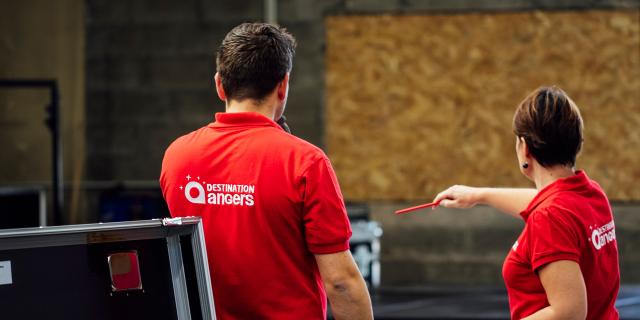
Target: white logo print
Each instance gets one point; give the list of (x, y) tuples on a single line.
[(515, 246), (200, 192), (194, 185), (603, 235)]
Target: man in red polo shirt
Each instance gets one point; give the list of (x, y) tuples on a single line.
[(276, 229)]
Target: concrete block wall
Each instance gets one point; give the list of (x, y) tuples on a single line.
[(150, 66), (468, 247)]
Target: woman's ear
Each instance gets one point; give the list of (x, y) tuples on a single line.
[(220, 88), (525, 147), (524, 157), (522, 150)]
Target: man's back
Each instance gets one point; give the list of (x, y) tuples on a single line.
[(269, 202)]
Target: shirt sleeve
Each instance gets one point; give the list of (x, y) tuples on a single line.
[(326, 224), (553, 237)]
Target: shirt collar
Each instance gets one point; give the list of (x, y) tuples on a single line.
[(574, 182), (242, 119)]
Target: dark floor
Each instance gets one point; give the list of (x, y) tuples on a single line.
[(468, 303)]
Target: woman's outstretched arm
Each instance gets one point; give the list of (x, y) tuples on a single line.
[(508, 200)]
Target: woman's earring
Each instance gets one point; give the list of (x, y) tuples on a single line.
[(525, 165)]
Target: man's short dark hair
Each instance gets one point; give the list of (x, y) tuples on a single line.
[(551, 125), (253, 59)]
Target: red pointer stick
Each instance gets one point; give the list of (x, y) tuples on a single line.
[(422, 206)]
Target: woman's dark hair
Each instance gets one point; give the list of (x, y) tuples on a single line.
[(551, 125), (253, 59)]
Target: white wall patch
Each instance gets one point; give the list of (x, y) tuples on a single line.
[(5, 272)]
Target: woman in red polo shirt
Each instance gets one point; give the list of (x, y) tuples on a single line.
[(564, 264)]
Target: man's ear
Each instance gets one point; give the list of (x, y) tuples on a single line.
[(283, 87), (219, 88)]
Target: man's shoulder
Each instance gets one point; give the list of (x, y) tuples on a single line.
[(299, 146), (185, 141)]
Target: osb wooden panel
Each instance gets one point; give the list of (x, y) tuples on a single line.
[(417, 103)]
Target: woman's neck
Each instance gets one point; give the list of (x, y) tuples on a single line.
[(546, 176)]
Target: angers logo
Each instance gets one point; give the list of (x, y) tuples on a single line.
[(603, 235), (200, 192)]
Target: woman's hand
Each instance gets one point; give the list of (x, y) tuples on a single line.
[(460, 197), (508, 200)]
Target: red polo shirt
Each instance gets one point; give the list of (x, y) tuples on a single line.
[(568, 220), (269, 201)]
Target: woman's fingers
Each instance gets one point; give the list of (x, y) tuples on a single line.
[(448, 203), (446, 194), (446, 198), (456, 197)]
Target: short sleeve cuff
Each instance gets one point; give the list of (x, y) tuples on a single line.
[(540, 262), (329, 248)]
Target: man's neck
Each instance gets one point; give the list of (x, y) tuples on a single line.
[(266, 108)]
